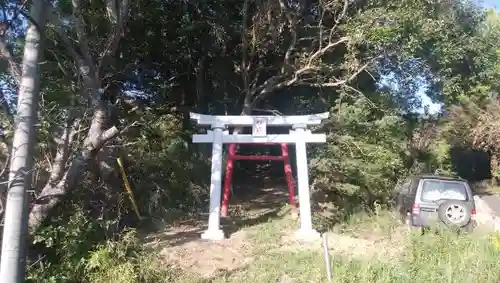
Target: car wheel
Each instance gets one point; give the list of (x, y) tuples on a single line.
[(454, 213)]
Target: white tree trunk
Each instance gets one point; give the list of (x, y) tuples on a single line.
[(13, 255)]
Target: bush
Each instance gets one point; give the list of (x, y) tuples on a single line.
[(88, 238), (360, 163)]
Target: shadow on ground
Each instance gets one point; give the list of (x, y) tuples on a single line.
[(248, 207), (180, 245)]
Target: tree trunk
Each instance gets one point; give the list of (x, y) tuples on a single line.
[(97, 136), (494, 168), (12, 266), (53, 192)]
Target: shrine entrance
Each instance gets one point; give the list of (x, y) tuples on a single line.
[(298, 135), (232, 156)]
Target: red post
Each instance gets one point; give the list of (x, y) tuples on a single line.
[(232, 156), (228, 179), (288, 176)]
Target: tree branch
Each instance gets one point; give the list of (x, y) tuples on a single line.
[(82, 37), (63, 146), (14, 68), (118, 17), (53, 193), (292, 26), (338, 83), (55, 19), (339, 18), (86, 70), (321, 51)]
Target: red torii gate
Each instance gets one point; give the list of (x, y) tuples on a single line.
[(232, 156)]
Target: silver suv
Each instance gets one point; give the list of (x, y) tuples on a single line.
[(425, 200)]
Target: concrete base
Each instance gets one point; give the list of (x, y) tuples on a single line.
[(213, 235), (307, 235)]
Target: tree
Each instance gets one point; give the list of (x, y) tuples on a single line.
[(473, 122), (112, 64), (90, 69)]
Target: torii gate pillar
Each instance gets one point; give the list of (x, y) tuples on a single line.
[(306, 230), (299, 135), (214, 232)]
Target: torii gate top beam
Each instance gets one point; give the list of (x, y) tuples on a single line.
[(237, 120)]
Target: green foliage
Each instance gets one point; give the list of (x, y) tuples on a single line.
[(190, 56), (171, 173), (66, 246), (362, 159), (125, 261), (440, 159), (78, 245)]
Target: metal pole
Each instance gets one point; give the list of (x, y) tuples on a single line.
[(13, 254), (128, 188), (327, 258)]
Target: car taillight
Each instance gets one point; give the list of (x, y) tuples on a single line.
[(473, 213), (415, 209)]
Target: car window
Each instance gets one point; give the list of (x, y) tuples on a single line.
[(433, 190)]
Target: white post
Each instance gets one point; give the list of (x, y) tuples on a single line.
[(213, 231), (306, 231)]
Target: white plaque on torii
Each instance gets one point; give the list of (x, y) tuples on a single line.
[(259, 127), (299, 135)]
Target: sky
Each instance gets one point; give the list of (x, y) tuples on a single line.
[(426, 101), (491, 3)]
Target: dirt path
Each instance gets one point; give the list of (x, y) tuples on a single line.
[(493, 202), (180, 245), (262, 223), (487, 212)]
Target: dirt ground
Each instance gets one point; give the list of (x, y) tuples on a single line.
[(181, 246), (383, 248), (208, 258)]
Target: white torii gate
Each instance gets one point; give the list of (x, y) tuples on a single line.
[(299, 135)]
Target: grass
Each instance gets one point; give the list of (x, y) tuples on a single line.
[(443, 257)]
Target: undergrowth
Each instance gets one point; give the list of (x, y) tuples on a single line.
[(92, 236), (120, 261), (433, 257), (80, 252)]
